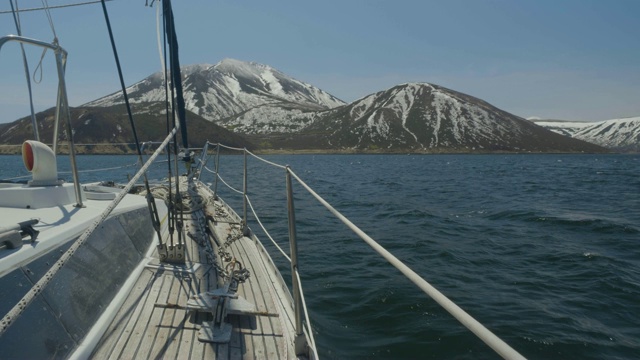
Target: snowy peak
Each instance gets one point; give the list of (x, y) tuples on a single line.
[(427, 117), (230, 87), (275, 109), (434, 117), (271, 82), (241, 68), (618, 134), (191, 69)]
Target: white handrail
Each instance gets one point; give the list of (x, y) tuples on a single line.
[(265, 160), (229, 147), (489, 338), (227, 185)]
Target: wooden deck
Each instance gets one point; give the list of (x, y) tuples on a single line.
[(153, 322)]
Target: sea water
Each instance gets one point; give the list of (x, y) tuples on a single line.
[(544, 250)]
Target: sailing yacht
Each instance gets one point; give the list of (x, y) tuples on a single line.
[(152, 269)]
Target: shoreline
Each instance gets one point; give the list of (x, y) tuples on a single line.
[(123, 150)]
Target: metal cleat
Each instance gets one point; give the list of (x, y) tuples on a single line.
[(220, 303)]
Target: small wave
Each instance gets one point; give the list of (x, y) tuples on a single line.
[(538, 341), (590, 255), (597, 225), (411, 214), (575, 221), (514, 215)]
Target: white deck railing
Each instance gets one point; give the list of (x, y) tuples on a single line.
[(484, 334)]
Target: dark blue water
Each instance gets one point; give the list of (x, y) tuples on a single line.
[(544, 250)]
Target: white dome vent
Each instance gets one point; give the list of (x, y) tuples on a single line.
[(40, 161)]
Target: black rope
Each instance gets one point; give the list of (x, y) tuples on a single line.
[(153, 210), (172, 118), (170, 30), (177, 105)]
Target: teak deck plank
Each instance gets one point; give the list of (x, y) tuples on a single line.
[(114, 335), (255, 294), (126, 327), (143, 330)]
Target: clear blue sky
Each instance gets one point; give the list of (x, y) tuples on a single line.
[(564, 59)]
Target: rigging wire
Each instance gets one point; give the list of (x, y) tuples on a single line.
[(54, 7), (45, 5), (153, 210), (16, 19)]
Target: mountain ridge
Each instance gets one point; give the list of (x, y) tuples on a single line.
[(109, 129), (263, 106), (425, 117), (221, 91), (619, 134)]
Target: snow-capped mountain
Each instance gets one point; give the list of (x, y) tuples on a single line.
[(234, 93), (563, 127), (274, 111), (428, 117), (617, 134)]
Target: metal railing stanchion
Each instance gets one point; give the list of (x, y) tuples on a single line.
[(215, 186), (300, 341), (203, 158), (245, 226)]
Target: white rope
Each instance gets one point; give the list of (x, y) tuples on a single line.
[(265, 230), (17, 177), (158, 31), (38, 287), (250, 153), (209, 170), (80, 171), (312, 340), (102, 169), (45, 6), (229, 186), (229, 147), (497, 344), (39, 80), (266, 161)]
